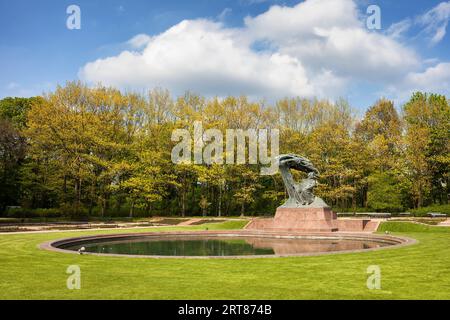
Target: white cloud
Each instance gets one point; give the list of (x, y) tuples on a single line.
[(318, 47), (139, 41), (328, 34), (436, 79), (205, 57), (398, 29), (287, 24), (436, 21), (224, 14)]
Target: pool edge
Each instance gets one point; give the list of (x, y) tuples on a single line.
[(401, 241)]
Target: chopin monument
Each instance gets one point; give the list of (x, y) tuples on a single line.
[(303, 211), (300, 194)]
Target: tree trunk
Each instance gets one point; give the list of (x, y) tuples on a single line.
[(220, 202), (103, 201), (192, 200), (132, 209), (420, 197), (77, 191), (183, 203), (65, 186)]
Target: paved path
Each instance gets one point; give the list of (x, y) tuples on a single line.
[(189, 222), (446, 223)]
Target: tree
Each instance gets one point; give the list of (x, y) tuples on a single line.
[(247, 185), (12, 154), (147, 183), (384, 192), (330, 147), (79, 131), (92, 150), (204, 204), (438, 155), (427, 139), (16, 109), (13, 115), (380, 133)]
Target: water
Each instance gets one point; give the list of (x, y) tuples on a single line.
[(219, 246)]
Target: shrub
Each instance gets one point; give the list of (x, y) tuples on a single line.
[(74, 213), (420, 212), (384, 193), (48, 213), (20, 213), (33, 213)]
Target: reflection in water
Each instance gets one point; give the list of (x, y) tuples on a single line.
[(220, 246)]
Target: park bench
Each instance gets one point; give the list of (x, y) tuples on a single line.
[(374, 214), (437, 215)]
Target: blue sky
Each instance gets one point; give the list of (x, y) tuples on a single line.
[(307, 48)]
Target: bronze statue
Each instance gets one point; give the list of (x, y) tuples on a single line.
[(300, 194)]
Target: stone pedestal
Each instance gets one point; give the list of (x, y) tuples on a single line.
[(305, 219)]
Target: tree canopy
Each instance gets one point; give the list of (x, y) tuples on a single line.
[(99, 151)]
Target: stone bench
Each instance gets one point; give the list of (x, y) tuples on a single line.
[(436, 215), (374, 214)]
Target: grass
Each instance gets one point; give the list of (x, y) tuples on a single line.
[(420, 271), (428, 221), (397, 226)]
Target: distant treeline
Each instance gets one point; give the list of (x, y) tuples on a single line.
[(83, 151)]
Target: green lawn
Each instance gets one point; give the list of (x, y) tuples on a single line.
[(420, 271)]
